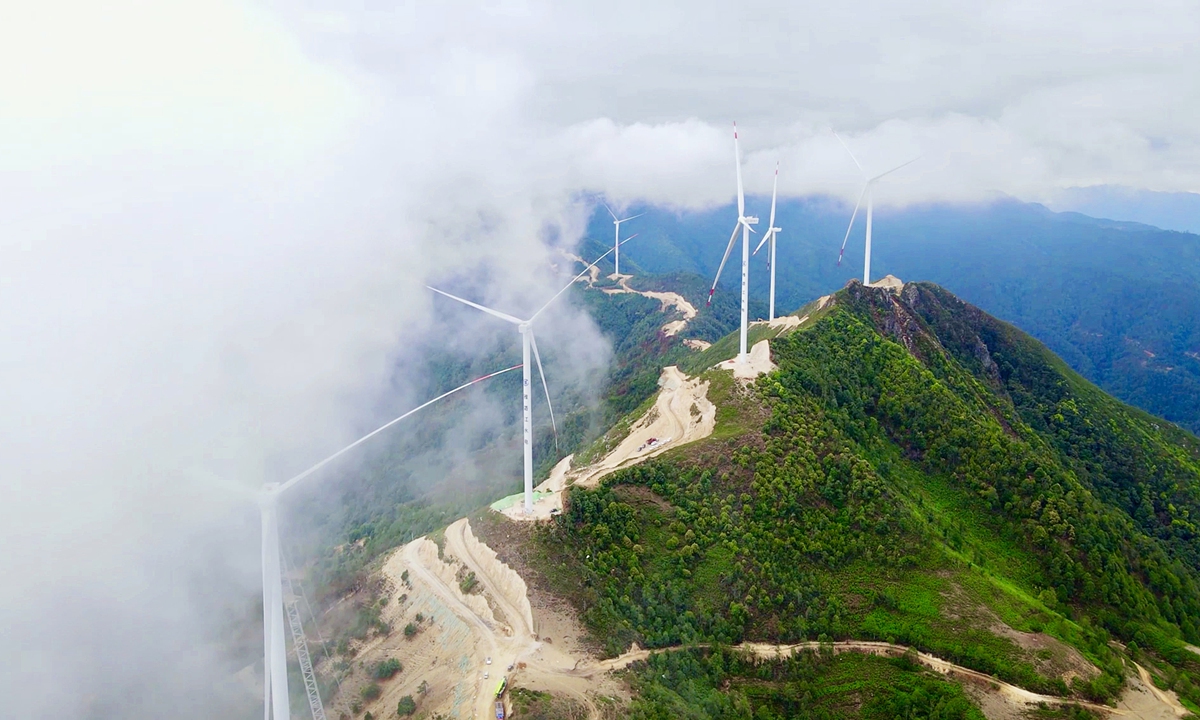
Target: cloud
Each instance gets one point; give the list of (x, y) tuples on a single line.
[(219, 218), (214, 254)]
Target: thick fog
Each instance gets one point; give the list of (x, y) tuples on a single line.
[(218, 219)]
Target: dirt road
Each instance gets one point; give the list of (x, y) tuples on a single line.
[(1145, 700), (668, 300), (682, 413), (503, 626), (501, 623), (487, 642), (503, 585), (1159, 707)]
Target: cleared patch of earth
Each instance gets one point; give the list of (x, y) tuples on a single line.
[(758, 361), (668, 299), (682, 413)]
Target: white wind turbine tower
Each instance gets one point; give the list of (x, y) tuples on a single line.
[(275, 679), (525, 327), (744, 222), (770, 234), (617, 242), (867, 189)]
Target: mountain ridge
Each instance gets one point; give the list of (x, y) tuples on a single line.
[(1118, 301), (1019, 532)]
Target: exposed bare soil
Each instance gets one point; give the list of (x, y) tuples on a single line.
[(543, 641), (758, 361), (668, 300), (682, 413)]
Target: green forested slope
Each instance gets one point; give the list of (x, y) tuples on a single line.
[(916, 472)]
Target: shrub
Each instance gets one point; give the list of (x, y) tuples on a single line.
[(386, 669), (407, 706), (371, 691), (410, 630)]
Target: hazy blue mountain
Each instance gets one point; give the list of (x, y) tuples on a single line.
[(1119, 301), (1168, 210)]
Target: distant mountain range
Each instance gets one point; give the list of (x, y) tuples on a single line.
[(1167, 210), (1119, 301)]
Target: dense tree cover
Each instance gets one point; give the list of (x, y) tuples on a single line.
[(703, 684), (821, 521), (722, 556), (1147, 468), (1119, 302), (1105, 495)]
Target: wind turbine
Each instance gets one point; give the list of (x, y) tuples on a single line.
[(867, 188), (770, 234), (275, 679), (528, 342), (617, 242), (744, 222)]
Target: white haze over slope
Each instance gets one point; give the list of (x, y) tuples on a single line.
[(218, 219)]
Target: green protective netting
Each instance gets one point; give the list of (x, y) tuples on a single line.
[(507, 502)]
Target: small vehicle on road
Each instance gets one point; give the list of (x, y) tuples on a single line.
[(499, 710)]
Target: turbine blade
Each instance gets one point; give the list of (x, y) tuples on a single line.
[(728, 249), (737, 155), (546, 388), (889, 172), (477, 306), (765, 237), (633, 217), (843, 142), (610, 212), (774, 192), (279, 490), (851, 225), (629, 238)]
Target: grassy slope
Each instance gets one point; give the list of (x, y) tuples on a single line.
[(879, 490)]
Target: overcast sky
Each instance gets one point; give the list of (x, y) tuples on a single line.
[(217, 219)]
